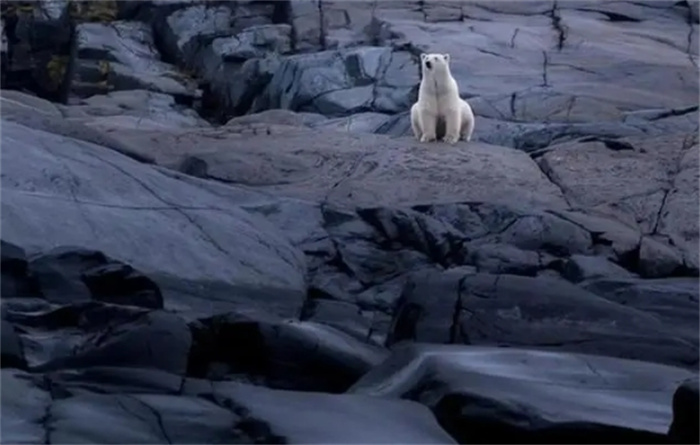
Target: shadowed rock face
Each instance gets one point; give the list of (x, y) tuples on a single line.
[(507, 395), (309, 273)]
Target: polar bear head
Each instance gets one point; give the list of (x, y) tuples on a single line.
[(432, 64)]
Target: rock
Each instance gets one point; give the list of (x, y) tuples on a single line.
[(16, 281), (103, 201), (66, 275), (462, 306), (352, 170), (289, 248), (42, 115), (122, 56), (11, 100), (686, 412), (588, 175), (50, 334), (657, 162), (233, 47), (116, 379), (12, 351), (546, 232), (338, 83), (38, 38), (195, 411), (156, 339), (357, 123), (497, 395), (24, 406), (401, 421), (133, 109), (255, 42), (694, 8), (276, 117), (585, 267), (305, 16), (235, 85), (345, 317), (187, 30), (285, 355), (505, 258), (658, 260), (678, 219), (674, 300), (612, 238), (150, 418)]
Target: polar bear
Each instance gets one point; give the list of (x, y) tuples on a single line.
[(439, 103)]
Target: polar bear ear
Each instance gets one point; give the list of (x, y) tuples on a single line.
[(447, 57), (423, 56)]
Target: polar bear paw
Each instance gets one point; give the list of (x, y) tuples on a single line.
[(451, 139)]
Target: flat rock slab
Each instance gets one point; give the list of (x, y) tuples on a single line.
[(544, 312), (149, 406), (486, 395), (352, 170), (650, 183), (59, 191), (122, 110)]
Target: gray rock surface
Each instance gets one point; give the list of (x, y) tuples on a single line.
[(122, 56), (686, 412), (104, 194), (351, 169), (226, 232), (200, 411), (136, 109), (503, 395), (460, 306)]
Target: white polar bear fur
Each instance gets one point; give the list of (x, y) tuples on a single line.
[(439, 102)]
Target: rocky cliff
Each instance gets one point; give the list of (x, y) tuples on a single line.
[(216, 227)]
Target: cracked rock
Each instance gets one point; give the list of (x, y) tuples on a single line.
[(122, 56), (497, 395), (68, 275), (338, 83), (462, 306)]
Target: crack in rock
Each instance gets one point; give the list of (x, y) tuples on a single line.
[(558, 26), (545, 64)]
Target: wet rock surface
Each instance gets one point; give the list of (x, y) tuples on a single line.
[(221, 231)]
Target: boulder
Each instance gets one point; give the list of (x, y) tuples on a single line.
[(68, 275), (279, 354), (121, 55), (132, 109), (543, 312), (506, 395), (180, 235), (12, 349), (351, 170), (343, 82), (686, 412), (160, 407)]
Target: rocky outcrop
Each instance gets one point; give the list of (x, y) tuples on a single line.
[(220, 231), (498, 395)]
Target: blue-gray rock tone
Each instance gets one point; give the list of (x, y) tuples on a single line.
[(217, 227)]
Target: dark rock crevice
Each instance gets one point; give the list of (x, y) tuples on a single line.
[(558, 26), (551, 176)]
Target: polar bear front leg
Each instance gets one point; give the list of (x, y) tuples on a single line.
[(467, 121), (453, 120), (415, 122), (428, 123)]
